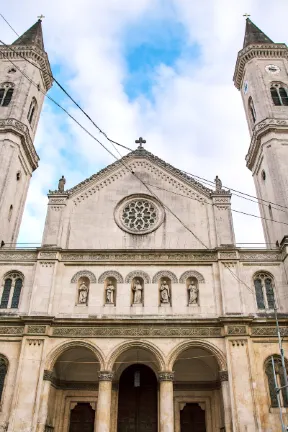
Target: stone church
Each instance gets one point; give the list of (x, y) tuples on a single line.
[(164, 324)]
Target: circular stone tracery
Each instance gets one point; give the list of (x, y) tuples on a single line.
[(139, 214)]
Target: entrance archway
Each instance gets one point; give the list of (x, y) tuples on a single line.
[(137, 400)]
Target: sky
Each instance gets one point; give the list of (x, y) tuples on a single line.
[(161, 69)]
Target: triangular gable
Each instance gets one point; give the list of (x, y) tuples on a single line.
[(140, 152)]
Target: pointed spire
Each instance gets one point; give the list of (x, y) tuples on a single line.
[(33, 36), (253, 35)]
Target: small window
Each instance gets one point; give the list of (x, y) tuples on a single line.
[(6, 92), (10, 213), (13, 283), (3, 373), (252, 110), (280, 381), (18, 175), (264, 291), (279, 94), (270, 212), (263, 175), (32, 112)]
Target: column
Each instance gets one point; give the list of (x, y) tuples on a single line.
[(103, 410), (44, 398), (166, 401), (223, 375)]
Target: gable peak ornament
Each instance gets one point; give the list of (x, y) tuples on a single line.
[(40, 17), (140, 141)]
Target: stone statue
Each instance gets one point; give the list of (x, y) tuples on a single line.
[(137, 292), (164, 292), (218, 184), (61, 184), (193, 292), (110, 292), (83, 293)]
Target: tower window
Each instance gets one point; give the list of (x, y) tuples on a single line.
[(13, 283), (252, 110), (264, 290), (6, 92), (32, 112), (279, 94)]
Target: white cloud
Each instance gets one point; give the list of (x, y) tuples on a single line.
[(197, 122)]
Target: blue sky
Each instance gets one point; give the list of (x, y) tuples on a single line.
[(160, 69)]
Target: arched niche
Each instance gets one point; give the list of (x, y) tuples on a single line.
[(192, 290), (110, 291), (82, 291)]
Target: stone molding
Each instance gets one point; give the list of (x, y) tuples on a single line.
[(36, 329), (138, 331), (111, 273), (20, 129), (33, 53), (191, 273), (9, 330), (238, 342), (138, 273), (223, 375), (35, 341), (48, 375), (105, 375), (260, 129), (166, 376), (237, 330), (164, 273), (268, 331), (84, 273), (256, 50)]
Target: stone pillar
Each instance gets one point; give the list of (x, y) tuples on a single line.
[(166, 401), (103, 410), (44, 399), (223, 375)]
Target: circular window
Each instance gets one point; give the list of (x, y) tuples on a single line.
[(139, 214)]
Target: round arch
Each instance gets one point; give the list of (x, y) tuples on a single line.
[(16, 272), (219, 355), (165, 273), (145, 345), (60, 349), (85, 273)]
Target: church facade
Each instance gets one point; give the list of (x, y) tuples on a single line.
[(138, 312)]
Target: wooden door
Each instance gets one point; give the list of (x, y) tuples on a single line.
[(82, 418), (137, 403), (192, 418)]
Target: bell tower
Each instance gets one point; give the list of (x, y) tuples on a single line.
[(261, 74), (25, 77)]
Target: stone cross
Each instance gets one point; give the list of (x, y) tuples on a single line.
[(246, 15), (40, 17), (140, 141)]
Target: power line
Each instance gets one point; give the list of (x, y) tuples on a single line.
[(9, 25)]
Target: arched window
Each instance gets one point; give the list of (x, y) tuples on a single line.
[(3, 373), (12, 287), (32, 112), (279, 372), (279, 93), (6, 92), (252, 110), (264, 290)]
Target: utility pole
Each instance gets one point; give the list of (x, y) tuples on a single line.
[(278, 397)]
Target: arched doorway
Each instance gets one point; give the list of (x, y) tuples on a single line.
[(137, 400)]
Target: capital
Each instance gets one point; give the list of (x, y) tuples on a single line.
[(223, 375), (48, 375), (166, 376), (105, 375)]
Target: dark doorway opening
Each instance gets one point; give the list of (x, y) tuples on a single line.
[(82, 418), (192, 418), (137, 403)]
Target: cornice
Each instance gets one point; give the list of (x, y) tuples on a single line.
[(33, 53), (260, 51), (261, 129), (20, 129)]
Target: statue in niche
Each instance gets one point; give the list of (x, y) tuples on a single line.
[(110, 292), (137, 292), (193, 293), (83, 293), (164, 292), (61, 184)]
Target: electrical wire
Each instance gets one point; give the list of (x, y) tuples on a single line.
[(9, 25)]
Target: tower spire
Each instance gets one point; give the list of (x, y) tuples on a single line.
[(253, 35), (33, 36)]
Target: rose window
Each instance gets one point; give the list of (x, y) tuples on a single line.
[(139, 214)]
